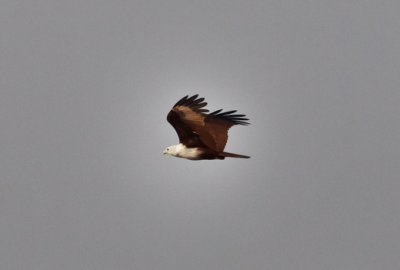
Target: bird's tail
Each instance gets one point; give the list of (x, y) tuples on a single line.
[(232, 155)]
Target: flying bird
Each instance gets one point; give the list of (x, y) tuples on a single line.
[(202, 135)]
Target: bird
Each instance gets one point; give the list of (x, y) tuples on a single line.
[(202, 135)]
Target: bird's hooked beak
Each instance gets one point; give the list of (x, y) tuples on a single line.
[(164, 152)]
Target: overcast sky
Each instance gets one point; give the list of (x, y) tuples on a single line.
[(85, 87)]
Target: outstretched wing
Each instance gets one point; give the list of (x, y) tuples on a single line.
[(195, 127), (185, 114), (217, 125)]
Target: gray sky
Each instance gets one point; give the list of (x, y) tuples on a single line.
[(85, 89)]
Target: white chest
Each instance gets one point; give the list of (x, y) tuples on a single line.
[(189, 153)]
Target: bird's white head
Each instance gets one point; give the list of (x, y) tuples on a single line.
[(171, 150)]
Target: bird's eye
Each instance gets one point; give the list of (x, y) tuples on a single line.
[(167, 149)]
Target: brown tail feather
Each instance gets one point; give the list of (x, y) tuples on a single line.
[(226, 154)]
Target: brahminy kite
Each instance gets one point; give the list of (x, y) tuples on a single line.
[(201, 135)]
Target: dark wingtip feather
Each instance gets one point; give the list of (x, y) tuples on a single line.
[(192, 98), (194, 102), (182, 100), (236, 119), (215, 112)]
